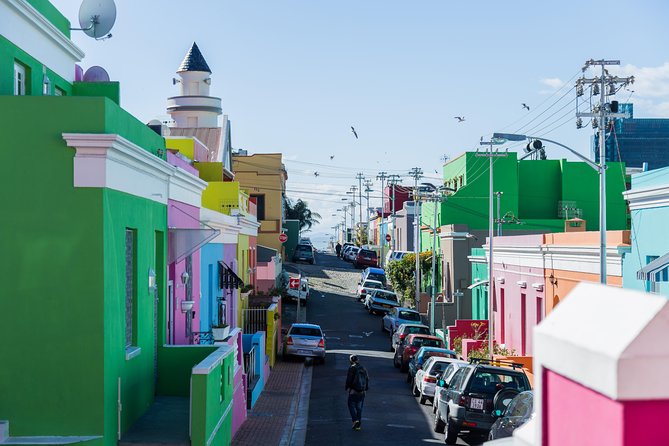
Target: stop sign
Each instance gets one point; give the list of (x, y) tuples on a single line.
[(283, 237), (387, 237)]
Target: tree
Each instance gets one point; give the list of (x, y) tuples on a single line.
[(402, 274), (300, 211)]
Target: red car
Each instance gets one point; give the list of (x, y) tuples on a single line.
[(410, 345), (366, 257)]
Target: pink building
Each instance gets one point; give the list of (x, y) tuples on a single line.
[(601, 381)]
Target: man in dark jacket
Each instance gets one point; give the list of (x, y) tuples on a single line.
[(338, 249), (357, 383)]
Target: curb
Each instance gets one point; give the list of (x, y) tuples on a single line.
[(295, 432)]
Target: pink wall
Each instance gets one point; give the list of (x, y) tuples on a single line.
[(181, 215), (520, 308), (577, 415), (182, 164)]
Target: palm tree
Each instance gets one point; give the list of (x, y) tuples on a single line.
[(300, 211)]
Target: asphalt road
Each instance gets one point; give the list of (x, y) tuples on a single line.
[(391, 414)]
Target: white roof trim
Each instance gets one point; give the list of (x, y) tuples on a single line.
[(225, 223), (214, 359), (649, 197)]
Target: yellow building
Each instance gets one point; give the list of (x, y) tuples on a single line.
[(264, 176)]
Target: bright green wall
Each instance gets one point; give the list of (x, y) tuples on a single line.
[(540, 186), (479, 293), (111, 90), (10, 53), (174, 367), (123, 211), (51, 235)]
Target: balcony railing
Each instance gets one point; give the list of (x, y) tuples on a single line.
[(250, 368), (202, 338)]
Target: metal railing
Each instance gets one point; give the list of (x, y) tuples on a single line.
[(255, 319), (250, 367), (202, 338)]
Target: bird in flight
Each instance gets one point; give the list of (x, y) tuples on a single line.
[(331, 157), (459, 118), (354, 132), (526, 106), (316, 174)]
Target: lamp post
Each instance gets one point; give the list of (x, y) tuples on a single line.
[(600, 168)]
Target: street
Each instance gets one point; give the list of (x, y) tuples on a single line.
[(390, 412)]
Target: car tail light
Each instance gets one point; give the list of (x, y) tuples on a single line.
[(429, 379), (402, 336), (464, 401), (321, 343), (469, 423), (289, 340)]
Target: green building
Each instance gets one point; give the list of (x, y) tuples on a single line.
[(537, 196), (83, 235)]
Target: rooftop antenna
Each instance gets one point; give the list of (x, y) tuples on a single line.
[(96, 18)]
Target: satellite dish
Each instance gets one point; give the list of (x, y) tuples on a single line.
[(96, 74), (97, 17)]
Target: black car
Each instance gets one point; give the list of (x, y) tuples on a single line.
[(518, 412), (304, 253), (475, 392)]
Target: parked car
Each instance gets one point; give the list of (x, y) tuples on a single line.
[(302, 293), (374, 274), (366, 257), (475, 392), (425, 380), (518, 412), (410, 345), (304, 253), (381, 301), (351, 253), (344, 250), (395, 255), (445, 379), (305, 340), (398, 316), (367, 287), (404, 330), (423, 354)]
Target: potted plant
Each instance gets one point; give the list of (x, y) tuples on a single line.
[(220, 331), (246, 290)]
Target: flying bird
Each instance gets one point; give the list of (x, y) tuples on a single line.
[(459, 118), (526, 106), (331, 157), (316, 174), (354, 132)]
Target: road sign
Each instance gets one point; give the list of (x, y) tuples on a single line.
[(294, 283), (387, 237), (283, 238)]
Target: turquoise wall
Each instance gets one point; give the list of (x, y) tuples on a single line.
[(479, 293)]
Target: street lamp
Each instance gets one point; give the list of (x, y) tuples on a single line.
[(600, 168)]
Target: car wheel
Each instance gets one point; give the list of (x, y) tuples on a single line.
[(404, 367), (414, 389), (422, 399), (451, 432), (409, 378), (438, 424)]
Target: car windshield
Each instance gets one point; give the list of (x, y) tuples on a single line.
[(374, 284), (304, 248), (426, 342), (386, 296), (409, 316), (305, 331), (420, 330), (378, 277), (489, 381), (367, 253), (429, 354)]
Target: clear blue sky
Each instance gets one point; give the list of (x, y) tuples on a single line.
[(295, 75)]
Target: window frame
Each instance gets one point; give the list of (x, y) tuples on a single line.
[(23, 71)]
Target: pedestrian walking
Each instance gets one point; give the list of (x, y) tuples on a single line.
[(357, 384), (338, 249)]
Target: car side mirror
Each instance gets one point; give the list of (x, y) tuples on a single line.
[(442, 383), (496, 413)]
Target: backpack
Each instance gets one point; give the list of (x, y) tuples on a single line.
[(360, 379)]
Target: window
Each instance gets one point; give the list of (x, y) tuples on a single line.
[(189, 270), (260, 203), (130, 288), (58, 91), (457, 379), (19, 79)]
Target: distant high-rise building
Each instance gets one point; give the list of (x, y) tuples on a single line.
[(636, 140)]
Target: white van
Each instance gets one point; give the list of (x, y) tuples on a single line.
[(395, 255)]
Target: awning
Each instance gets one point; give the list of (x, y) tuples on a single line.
[(477, 283), (184, 241), (655, 271), (227, 279)]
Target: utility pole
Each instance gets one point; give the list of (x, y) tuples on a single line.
[(353, 189), (491, 232), (416, 173), (382, 176), (602, 113), (393, 181), (360, 177), (499, 219), (368, 189)]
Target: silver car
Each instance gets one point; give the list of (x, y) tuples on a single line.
[(381, 301), (306, 340), (426, 377)]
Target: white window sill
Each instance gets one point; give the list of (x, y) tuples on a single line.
[(131, 352)]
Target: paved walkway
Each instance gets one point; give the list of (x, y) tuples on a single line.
[(276, 417)]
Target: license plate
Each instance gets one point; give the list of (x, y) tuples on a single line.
[(368, 258), (476, 403), (304, 352)]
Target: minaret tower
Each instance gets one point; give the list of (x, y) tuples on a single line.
[(194, 107)]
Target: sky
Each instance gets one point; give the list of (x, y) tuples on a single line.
[(294, 76)]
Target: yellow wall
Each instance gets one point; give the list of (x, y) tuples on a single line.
[(264, 174), (210, 171), (186, 146)]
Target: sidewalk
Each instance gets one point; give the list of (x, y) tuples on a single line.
[(278, 417)]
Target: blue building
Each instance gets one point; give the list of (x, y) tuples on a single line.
[(636, 140), (646, 266)]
